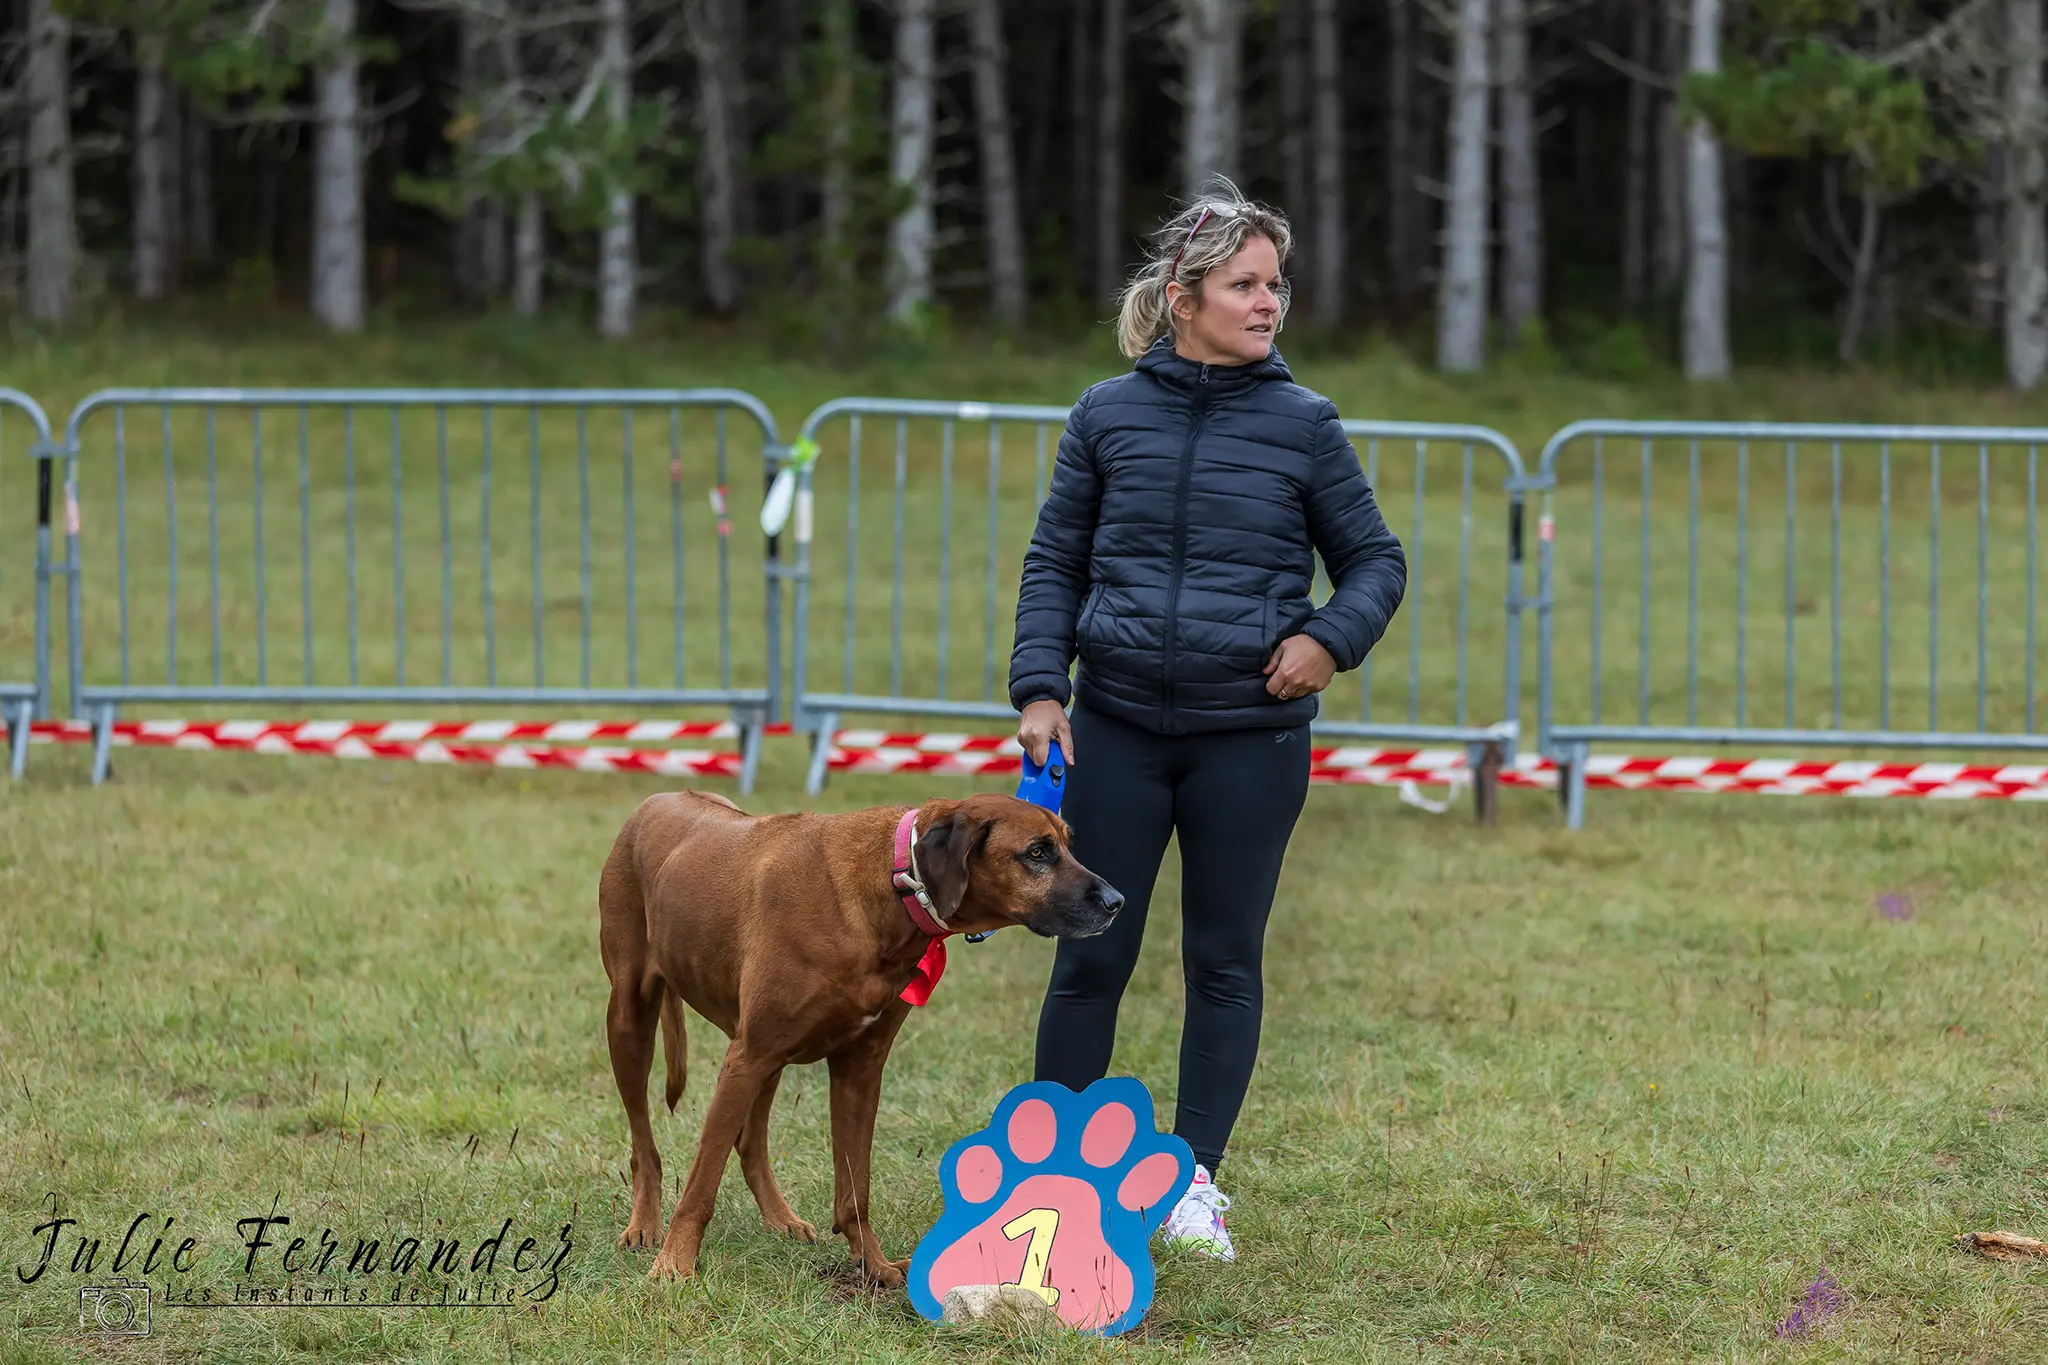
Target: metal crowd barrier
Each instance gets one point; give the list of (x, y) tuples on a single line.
[(931, 545), (23, 701), (1821, 603), (342, 547), (1843, 586)]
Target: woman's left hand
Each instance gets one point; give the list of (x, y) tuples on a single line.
[(1298, 668)]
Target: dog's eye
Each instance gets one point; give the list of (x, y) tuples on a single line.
[(1040, 851)]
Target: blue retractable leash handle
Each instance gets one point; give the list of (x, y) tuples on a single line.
[(1045, 785), (1042, 785)]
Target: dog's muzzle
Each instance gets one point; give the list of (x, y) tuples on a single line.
[(1096, 911)]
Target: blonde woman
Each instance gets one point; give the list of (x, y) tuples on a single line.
[(1174, 558)]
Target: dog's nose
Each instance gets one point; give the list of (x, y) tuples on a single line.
[(1108, 898)]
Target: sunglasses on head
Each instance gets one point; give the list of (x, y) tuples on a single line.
[(1174, 271)]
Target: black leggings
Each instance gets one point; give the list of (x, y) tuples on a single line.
[(1234, 798)]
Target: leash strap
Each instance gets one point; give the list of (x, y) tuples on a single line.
[(917, 903)]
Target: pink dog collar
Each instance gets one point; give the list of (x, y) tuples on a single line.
[(917, 903)]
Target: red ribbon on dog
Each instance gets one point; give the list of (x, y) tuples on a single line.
[(903, 876), (930, 968)]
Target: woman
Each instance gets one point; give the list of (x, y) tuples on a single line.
[(1174, 556)]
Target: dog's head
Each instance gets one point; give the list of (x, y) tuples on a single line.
[(992, 860)]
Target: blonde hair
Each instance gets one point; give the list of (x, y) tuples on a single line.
[(1205, 234)]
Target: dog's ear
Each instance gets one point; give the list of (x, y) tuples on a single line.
[(944, 854)]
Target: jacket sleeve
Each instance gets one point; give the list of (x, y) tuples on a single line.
[(1367, 568), (1056, 570)]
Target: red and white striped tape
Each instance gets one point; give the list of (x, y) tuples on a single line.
[(416, 731), (593, 759), (1806, 777), (1349, 765), (558, 744)]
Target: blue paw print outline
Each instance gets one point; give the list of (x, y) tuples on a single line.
[(1127, 1232)]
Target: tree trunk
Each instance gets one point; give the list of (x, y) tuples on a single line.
[(1111, 247), (1706, 266), (998, 165), (1210, 38), (745, 211), (1038, 97), (529, 256), (1635, 210), (150, 170), (1987, 238), (467, 241), (489, 64), (1292, 76), (1327, 271), (1590, 161), (790, 36), (52, 211), (1739, 212), (266, 209), (338, 300), (1085, 158), (2026, 203), (618, 266), (528, 263), (836, 245), (173, 183), (197, 199), (1861, 277), (1668, 262), (711, 25), (910, 163), (1427, 201), (1462, 292), (1521, 203), (1401, 191), (491, 248)]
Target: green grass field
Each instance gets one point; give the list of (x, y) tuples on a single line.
[(1619, 1095)]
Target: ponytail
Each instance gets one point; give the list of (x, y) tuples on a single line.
[(1142, 317)]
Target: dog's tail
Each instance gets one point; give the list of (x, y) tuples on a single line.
[(672, 1044)]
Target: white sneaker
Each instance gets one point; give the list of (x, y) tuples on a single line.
[(1197, 1220)]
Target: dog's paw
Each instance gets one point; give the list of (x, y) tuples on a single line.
[(640, 1236), (1059, 1194), (792, 1226), (884, 1274), (667, 1267)]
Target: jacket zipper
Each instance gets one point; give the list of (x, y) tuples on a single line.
[(1180, 547)]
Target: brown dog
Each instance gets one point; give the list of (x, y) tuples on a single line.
[(787, 933)]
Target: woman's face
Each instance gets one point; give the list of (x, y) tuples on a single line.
[(1238, 312)]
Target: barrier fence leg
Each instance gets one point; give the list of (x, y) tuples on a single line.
[(1572, 785), (750, 753), (1485, 762), (102, 743), (821, 752), (17, 738)]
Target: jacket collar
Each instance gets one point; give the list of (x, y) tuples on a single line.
[(1176, 371)]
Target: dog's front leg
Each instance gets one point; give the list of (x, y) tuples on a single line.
[(739, 1085), (856, 1092)]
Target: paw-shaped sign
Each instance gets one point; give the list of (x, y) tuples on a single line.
[(1060, 1194)]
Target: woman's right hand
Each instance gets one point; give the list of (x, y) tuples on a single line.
[(1041, 724)]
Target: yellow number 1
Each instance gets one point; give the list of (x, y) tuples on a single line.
[(1041, 1224)]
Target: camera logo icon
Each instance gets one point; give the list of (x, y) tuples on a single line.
[(119, 1308)]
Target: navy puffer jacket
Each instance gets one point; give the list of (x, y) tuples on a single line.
[(1176, 548)]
